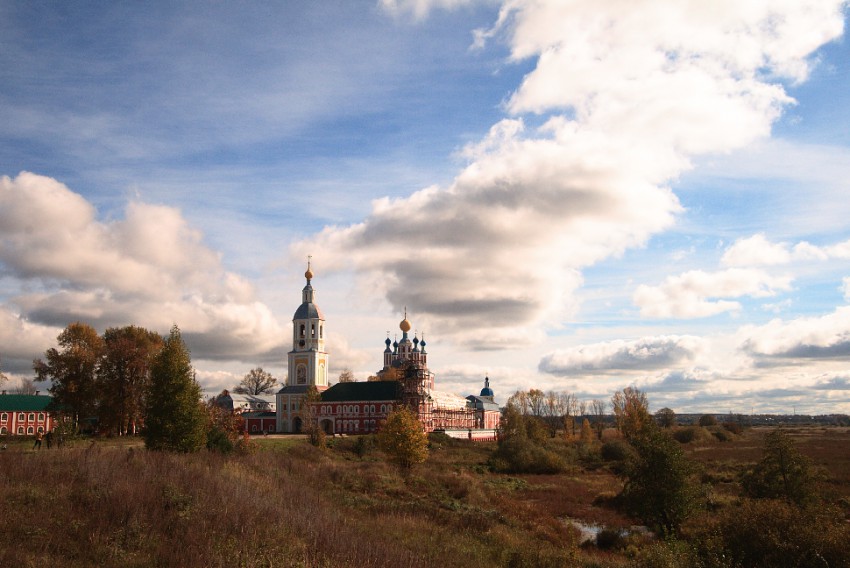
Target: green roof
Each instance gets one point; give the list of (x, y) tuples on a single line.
[(368, 391), (24, 402)]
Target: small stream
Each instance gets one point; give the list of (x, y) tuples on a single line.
[(588, 531)]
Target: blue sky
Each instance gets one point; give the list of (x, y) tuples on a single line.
[(564, 195)]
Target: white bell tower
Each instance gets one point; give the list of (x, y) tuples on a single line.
[(308, 361)]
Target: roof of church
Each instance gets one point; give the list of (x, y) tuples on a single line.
[(308, 310), (485, 402), (294, 389), (368, 391)]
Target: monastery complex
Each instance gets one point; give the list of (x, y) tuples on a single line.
[(360, 407)]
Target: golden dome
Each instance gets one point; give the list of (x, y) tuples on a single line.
[(309, 274), (405, 323)]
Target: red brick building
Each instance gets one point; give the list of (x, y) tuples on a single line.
[(25, 414)]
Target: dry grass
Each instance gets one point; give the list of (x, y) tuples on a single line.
[(113, 503)]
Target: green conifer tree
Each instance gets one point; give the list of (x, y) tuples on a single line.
[(174, 419)]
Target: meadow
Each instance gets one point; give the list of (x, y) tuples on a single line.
[(109, 502)]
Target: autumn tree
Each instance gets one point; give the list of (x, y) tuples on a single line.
[(403, 439), (519, 400), (783, 472), (123, 375), (72, 369), (346, 376), (631, 411), (309, 419), (255, 382), (175, 418), (553, 411), (597, 408), (586, 438), (666, 418), (226, 430)]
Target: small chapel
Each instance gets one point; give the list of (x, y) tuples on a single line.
[(360, 407)]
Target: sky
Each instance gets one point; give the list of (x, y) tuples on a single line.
[(568, 195)]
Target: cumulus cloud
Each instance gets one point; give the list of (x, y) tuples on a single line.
[(21, 341), (825, 337), (149, 268), (758, 251), (644, 354), (623, 98), (697, 294)]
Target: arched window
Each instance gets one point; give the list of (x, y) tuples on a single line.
[(32, 417), (20, 429), (41, 429), (2, 430), (41, 417), (21, 416), (4, 417), (253, 427), (303, 330), (321, 331), (30, 430), (313, 330)]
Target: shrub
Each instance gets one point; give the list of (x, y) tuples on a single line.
[(364, 445), (684, 435), (722, 435), (658, 487), (770, 533), (734, 427), (609, 539), (615, 451), (521, 455), (707, 420), (691, 434), (782, 473)]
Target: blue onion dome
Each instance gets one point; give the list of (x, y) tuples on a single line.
[(487, 391)]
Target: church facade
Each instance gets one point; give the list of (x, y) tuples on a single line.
[(361, 407)]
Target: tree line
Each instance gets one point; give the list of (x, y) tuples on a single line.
[(130, 380)]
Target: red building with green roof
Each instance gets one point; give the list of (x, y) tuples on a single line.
[(25, 414)]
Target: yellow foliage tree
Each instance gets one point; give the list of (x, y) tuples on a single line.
[(586, 433), (631, 412), (403, 439)]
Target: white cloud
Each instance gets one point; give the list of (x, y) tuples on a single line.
[(755, 251), (626, 97), (758, 251), (421, 8), (149, 268), (824, 337), (697, 294), (646, 353)]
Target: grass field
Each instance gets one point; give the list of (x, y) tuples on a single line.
[(112, 503)]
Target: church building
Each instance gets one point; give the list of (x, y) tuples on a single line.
[(361, 407)]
